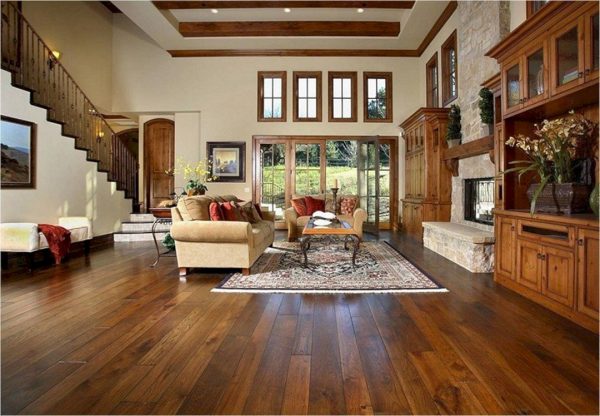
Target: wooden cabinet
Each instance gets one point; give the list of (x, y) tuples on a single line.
[(551, 55), (505, 246), (428, 184), (587, 272), (540, 258)]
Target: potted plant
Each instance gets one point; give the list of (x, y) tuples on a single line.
[(453, 134), (168, 242), (553, 156), (486, 109), (196, 175)]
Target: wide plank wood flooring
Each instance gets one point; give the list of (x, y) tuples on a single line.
[(110, 335)]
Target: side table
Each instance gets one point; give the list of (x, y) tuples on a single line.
[(161, 216)]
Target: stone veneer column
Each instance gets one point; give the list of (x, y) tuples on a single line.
[(482, 24)]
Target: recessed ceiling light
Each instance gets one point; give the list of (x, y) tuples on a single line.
[(215, 11), (287, 10), (360, 10)]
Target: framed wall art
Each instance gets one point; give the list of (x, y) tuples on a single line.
[(228, 161), (17, 139)]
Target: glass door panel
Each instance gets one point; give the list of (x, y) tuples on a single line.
[(340, 165), (307, 168), (272, 172), (592, 53), (567, 56), (513, 87), (368, 182), (535, 74), (385, 181)]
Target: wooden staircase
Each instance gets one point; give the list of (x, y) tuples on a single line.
[(34, 68)]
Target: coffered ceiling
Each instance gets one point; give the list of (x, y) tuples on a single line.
[(289, 28)]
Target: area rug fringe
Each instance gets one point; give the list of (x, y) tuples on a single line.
[(327, 291)]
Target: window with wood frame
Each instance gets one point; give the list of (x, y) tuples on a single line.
[(377, 97), (307, 96), (449, 70), (272, 96), (342, 96), (432, 82), (533, 6)]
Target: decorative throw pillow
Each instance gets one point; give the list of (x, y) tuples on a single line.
[(299, 205), (347, 205), (248, 212), (197, 207), (258, 211), (230, 211), (216, 213), (314, 204)]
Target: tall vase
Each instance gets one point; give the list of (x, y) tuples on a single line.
[(595, 199)]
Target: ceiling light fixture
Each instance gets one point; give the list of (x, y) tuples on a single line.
[(214, 11), (360, 10), (287, 10)]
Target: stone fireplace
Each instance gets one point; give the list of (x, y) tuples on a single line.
[(479, 200)]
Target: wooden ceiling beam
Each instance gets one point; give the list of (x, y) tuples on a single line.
[(293, 28), (211, 53), (437, 26), (171, 5)]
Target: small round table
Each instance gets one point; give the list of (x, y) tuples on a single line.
[(161, 216)]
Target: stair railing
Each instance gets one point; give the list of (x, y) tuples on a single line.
[(36, 69)]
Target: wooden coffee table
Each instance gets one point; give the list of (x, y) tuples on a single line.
[(337, 228)]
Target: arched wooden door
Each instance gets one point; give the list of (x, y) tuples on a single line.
[(159, 150)]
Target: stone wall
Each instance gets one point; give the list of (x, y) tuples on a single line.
[(482, 24)]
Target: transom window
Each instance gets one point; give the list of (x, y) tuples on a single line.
[(271, 96), (342, 96), (307, 96), (432, 82), (449, 70), (378, 97)]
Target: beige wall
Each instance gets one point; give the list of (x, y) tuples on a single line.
[(214, 99), (82, 32), (66, 184)]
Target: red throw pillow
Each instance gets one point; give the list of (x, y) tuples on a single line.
[(299, 205), (348, 205), (215, 211), (230, 211), (314, 204), (257, 206)]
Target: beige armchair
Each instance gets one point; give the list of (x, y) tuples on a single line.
[(295, 224)]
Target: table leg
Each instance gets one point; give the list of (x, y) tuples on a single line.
[(155, 242), (355, 247), (304, 246)]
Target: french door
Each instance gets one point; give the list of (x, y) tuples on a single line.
[(285, 166)]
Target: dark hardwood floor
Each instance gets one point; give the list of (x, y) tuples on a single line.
[(111, 335)]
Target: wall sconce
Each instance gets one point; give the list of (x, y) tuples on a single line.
[(53, 59), (100, 135)]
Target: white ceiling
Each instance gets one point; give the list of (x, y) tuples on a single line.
[(161, 26)]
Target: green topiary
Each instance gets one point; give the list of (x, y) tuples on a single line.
[(453, 131), (486, 106)]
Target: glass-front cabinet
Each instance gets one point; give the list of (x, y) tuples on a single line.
[(513, 88), (535, 66), (567, 56)]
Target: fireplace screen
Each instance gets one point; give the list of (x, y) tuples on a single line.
[(479, 200)]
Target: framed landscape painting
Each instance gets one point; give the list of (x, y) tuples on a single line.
[(228, 161), (17, 139)]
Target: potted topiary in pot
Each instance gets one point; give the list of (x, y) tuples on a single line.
[(486, 109), (453, 134)]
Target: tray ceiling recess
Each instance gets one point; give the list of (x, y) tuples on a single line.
[(290, 28)]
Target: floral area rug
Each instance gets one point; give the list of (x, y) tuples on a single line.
[(379, 269)]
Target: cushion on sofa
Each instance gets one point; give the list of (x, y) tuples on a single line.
[(299, 205), (348, 204), (328, 198), (314, 204), (248, 212), (231, 211), (215, 212), (196, 208)]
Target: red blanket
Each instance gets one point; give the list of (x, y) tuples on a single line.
[(59, 240)]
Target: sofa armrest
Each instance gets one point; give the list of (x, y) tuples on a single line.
[(291, 216), (77, 222), (212, 231), (19, 237), (360, 216)]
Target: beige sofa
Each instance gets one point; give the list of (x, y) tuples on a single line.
[(296, 224), (218, 244)]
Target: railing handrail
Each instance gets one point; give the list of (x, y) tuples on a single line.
[(59, 64)]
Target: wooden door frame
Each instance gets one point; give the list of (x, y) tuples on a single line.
[(147, 124), (257, 140)]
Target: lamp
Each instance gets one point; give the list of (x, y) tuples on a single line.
[(53, 58)]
